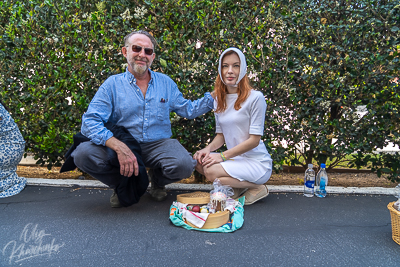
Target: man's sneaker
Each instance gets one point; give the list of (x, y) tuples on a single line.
[(157, 193), (254, 195), (114, 201)]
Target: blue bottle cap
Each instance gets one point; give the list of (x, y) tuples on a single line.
[(323, 165)]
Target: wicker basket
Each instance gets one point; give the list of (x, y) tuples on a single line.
[(395, 215), (214, 220), (197, 197)]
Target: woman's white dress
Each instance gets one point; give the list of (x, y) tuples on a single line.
[(236, 125)]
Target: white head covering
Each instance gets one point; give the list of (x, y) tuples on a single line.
[(243, 65)]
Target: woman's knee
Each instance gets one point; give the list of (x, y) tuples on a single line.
[(199, 168), (209, 174), (204, 171), (210, 178)]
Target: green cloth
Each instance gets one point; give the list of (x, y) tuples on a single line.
[(235, 223)]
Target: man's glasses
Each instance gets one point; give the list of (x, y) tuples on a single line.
[(137, 49)]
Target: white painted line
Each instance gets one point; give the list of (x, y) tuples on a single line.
[(65, 182), (334, 190), (209, 187)]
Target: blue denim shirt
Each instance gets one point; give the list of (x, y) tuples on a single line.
[(119, 101)]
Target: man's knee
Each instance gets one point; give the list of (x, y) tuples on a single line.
[(182, 168), (80, 154), (89, 157)]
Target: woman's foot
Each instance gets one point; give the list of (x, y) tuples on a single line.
[(255, 194), (237, 192)]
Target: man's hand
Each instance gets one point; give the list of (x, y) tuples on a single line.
[(127, 160)]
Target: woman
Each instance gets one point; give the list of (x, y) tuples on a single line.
[(239, 117), (12, 147)]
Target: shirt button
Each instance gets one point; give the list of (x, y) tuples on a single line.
[(145, 119)]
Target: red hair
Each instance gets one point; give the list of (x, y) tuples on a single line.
[(244, 88)]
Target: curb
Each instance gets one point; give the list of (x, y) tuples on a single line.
[(209, 187)]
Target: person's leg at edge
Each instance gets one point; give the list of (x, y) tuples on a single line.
[(94, 160), (254, 193), (10, 183), (169, 162)]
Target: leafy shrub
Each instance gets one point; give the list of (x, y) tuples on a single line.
[(316, 62)]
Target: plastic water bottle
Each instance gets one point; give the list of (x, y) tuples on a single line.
[(309, 180), (321, 182)]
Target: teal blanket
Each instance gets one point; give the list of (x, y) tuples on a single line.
[(235, 222)]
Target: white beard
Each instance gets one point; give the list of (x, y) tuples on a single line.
[(139, 69)]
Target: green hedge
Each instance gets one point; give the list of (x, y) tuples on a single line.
[(315, 61)]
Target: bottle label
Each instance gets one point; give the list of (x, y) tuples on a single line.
[(322, 183), (310, 184)]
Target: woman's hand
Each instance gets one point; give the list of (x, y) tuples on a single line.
[(204, 154), (201, 154), (211, 159)]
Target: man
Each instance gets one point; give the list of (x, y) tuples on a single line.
[(141, 101)]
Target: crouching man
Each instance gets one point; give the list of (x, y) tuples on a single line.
[(139, 100)]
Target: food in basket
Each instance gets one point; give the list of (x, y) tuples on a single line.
[(396, 205), (218, 201), (196, 209), (203, 210), (397, 194)]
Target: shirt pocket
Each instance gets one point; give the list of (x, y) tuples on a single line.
[(163, 110)]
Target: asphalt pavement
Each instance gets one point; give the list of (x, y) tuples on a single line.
[(75, 226)]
